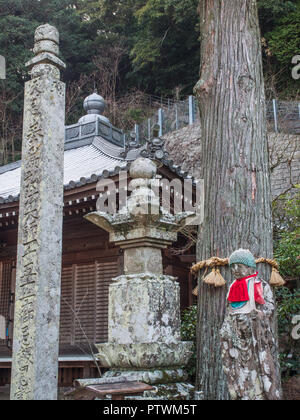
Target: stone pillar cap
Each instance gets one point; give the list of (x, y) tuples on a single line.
[(46, 32), (46, 49)]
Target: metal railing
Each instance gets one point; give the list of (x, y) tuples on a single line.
[(282, 116)]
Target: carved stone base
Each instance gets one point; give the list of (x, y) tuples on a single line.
[(144, 355), (157, 364), (144, 308)]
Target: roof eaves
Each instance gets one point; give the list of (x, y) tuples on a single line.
[(74, 184), (10, 166), (105, 174)]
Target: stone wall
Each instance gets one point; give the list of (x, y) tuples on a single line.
[(184, 146)]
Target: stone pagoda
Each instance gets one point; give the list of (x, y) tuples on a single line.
[(144, 342)]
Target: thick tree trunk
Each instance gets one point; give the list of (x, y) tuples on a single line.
[(235, 164)]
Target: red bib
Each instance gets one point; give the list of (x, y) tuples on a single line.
[(239, 290)]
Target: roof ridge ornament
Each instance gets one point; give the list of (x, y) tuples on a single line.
[(94, 103), (153, 149), (131, 143), (94, 106)]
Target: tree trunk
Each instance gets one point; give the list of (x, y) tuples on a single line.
[(235, 164)]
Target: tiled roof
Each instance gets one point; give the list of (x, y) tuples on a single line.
[(81, 165), (93, 150)]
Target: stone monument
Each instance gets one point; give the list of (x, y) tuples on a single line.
[(248, 344), (37, 301), (144, 304)]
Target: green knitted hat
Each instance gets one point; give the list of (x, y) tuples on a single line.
[(242, 256)]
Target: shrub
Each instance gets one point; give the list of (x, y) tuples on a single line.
[(286, 213), (288, 305), (188, 333)]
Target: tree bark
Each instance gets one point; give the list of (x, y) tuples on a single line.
[(235, 164)]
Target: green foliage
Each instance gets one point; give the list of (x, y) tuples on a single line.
[(272, 10), (136, 114), (20, 18), (188, 333), (166, 40), (287, 253), (161, 37), (188, 324), (286, 214), (280, 28), (288, 305), (284, 40), (160, 40), (113, 21)]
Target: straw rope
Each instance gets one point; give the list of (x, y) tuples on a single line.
[(215, 278), (216, 261)]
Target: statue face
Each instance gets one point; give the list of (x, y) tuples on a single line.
[(240, 270)]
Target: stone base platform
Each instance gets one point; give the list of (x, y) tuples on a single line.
[(169, 384), (158, 364), (144, 355)]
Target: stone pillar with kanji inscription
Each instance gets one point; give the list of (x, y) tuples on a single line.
[(37, 301)]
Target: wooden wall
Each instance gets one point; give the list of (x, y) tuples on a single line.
[(89, 263)]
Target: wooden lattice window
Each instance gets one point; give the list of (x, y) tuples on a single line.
[(84, 301), (7, 286)]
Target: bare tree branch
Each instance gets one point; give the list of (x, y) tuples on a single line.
[(77, 319)]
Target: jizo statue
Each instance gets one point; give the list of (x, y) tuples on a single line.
[(248, 346)]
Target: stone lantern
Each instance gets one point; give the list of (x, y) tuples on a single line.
[(144, 340)]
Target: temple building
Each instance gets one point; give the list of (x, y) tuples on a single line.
[(94, 150)]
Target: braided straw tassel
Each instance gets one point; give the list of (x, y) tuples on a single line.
[(214, 278), (219, 281), (210, 278), (195, 291), (276, 280)]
